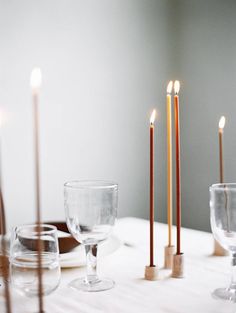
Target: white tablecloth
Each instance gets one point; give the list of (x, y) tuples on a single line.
[(134, 294)]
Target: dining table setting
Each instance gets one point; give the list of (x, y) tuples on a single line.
[(92, 262), (122, 258)]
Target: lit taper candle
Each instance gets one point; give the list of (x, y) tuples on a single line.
[(178, 259), (151, 270), (2, 209), (178, 171), (169, 161), (169, 249), (4, 262), (218, 249), (35, 83), (221, 131)]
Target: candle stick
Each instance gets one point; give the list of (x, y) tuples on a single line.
[(2, 215), (4, 258), (4, 261), (2, 209), (178, 178), (152, 188), (169, 162), (35, 82), (169, 249), (178, 261), (151, 272), (218, 249), (221, 130)]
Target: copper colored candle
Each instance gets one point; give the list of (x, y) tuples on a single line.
[(221, 130), (2, 209), (169, 161), (2, 215), (178, 171), (4, 263), (4, 259), (152, 188)]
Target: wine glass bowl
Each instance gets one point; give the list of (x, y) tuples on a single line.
[(24, 259), (223, 225), (91, 210)]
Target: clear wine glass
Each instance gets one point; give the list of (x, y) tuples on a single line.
[(91, 210), (223, 224), (24, 259)]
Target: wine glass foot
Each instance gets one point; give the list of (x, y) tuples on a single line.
[(100, 285), (225, 294)]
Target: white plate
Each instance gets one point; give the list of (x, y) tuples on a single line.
[(77, 257)]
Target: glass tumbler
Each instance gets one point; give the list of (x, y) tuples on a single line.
[(223, 225), (91, 209), (24, 259)]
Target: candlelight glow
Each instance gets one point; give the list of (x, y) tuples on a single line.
[(36, 78), (169, 87), (153, 116), (176, 87), (5, 117), (222, 122), (1, 119)]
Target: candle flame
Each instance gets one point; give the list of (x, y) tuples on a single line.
[(169, 87), (177, 87), (36, 78), (153, 116), (222, 123)]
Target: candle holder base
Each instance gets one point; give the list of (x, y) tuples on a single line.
[(169, 252), (178, 266), (219, 250), (151, 273)]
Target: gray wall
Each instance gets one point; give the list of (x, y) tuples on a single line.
[(206, 66), (105, 66)]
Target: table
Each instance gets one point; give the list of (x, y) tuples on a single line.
[(132, 293)]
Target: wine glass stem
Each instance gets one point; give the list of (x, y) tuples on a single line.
[(91, 257), (233, 271)]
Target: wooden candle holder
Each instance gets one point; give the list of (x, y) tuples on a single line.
[(178, 266), (151, 273), (169, 253), (219, 250)]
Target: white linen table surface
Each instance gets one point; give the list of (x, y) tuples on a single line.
[(133, 294)]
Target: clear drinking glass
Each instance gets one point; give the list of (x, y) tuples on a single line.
[(223, 224), (91, 209), (24, 259)]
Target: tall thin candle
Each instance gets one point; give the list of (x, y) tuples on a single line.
[(35, 82), (178, 173), (169, 162), (4, 259), (2, 215), (2, 209), (151, 271), (152, 119), (5, 264), (218, 249), (221, 130)]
